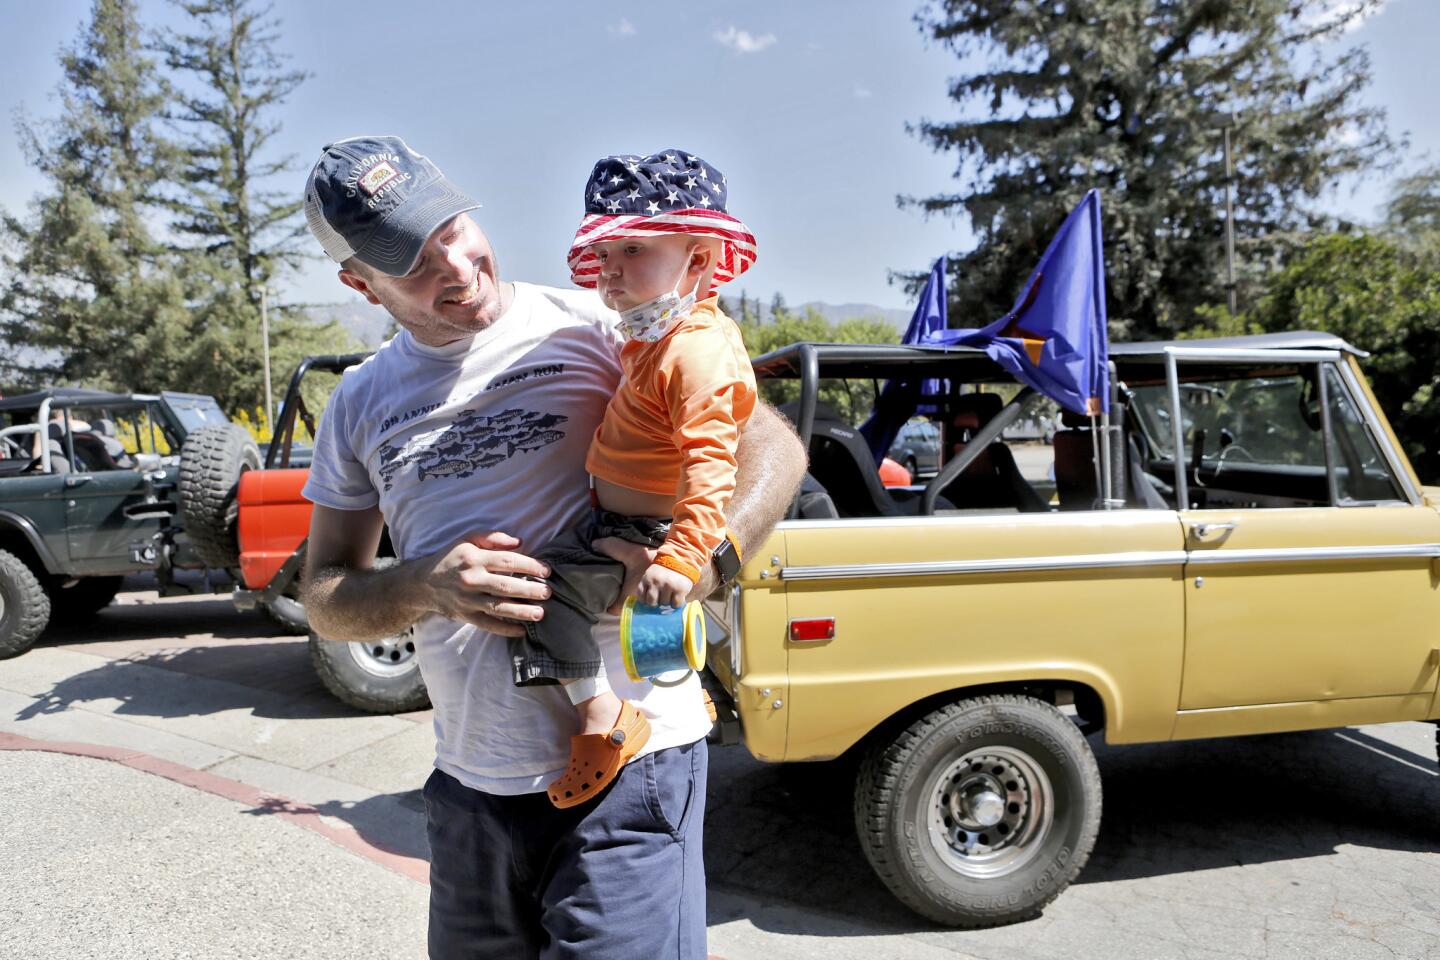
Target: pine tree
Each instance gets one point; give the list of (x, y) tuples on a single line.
[(1131, 96), (244, 231), (89, 294)]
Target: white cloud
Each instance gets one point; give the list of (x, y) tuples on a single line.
[(623, 29), (742, 41), (863, 93)]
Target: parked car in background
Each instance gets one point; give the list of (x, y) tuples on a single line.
[(917, 447)]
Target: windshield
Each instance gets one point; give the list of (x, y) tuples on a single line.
[(195, 411)]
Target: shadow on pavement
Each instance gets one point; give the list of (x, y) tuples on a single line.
[(270, 680), (393, 822), (786, 832), (145, 621)]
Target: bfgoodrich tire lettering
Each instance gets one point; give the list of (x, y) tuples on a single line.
[(24, 606), (982, 812)]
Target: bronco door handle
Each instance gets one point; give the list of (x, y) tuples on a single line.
[(74, 480), (1212, 531)]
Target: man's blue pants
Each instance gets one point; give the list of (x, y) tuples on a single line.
[(620, 877)]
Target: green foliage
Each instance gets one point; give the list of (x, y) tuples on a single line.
[(1379, 296), (95, 293), (1412, 217), (1131, 96), (852, 401), (89, 294)]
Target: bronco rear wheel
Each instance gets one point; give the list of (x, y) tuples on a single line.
[(24, 606), (377, 676), (982, 812)]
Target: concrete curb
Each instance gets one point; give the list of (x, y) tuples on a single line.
[(308, 818)]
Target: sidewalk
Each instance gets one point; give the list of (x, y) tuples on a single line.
[(186, 788), (245, 813)]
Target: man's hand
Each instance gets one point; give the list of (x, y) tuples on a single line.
[(479, 580), (663, 587), (637, 560)]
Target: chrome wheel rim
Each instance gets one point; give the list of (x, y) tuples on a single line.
[(989, 811), (387, 657)]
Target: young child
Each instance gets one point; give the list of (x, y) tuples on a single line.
[(656, 241)]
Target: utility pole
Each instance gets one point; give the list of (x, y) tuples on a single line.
[(265, 345), (1229, 224)]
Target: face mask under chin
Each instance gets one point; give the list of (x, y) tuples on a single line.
[(651, 320)]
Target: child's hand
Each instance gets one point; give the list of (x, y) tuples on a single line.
[(663, 587)]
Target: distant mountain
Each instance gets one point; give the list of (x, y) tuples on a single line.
[(838, 312), (369, 323)]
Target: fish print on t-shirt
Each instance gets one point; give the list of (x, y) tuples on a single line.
[(474, 441)]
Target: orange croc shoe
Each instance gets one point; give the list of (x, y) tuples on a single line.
[(596, 758)]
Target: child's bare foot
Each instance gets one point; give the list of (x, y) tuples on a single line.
[(598, 714)]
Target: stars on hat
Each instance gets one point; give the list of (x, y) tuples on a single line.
[(628, 185)]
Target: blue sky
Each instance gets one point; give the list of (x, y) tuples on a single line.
[(801, 105)]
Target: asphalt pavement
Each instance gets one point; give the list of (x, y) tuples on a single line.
[(179, 784)]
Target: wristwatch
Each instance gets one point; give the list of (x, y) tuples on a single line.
[(726, 561)]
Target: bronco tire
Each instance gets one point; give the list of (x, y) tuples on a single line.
[(288, 614), (24, 606), (210, 466), (980, 813), (82, 599), (377, 676)]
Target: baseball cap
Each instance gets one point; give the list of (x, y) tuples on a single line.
[(375, 199)]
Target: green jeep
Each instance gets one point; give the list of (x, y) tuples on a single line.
[(96, 485)]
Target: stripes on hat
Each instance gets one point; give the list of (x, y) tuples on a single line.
[(737, 247)]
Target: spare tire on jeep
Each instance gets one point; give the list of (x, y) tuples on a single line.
[(210, 466)]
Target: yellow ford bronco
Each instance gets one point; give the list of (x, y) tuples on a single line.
[(1240, 546)]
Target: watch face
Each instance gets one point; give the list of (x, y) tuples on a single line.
[(726, 561)]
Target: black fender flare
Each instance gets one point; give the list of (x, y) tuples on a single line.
[(11, 520)]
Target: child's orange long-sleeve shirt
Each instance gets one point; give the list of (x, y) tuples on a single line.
[(673, 425)]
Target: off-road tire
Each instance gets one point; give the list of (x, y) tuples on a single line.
[(353, 673), (211, 463), (24, 606), (901, 790), (288, 614), (82, 599)]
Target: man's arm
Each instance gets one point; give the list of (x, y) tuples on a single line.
[(770, 463), (473, 580)]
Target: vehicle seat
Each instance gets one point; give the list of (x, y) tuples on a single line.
[(843, 465), (992, 479), (1075, 467), (1146, 490)]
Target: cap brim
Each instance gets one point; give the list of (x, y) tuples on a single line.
[(396, 244)]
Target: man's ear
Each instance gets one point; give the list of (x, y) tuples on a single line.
[(358, 283)]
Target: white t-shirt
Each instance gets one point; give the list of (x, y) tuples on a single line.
[(490, 433)]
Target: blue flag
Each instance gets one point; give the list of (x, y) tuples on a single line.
[(1054, 339), (899, 400)]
